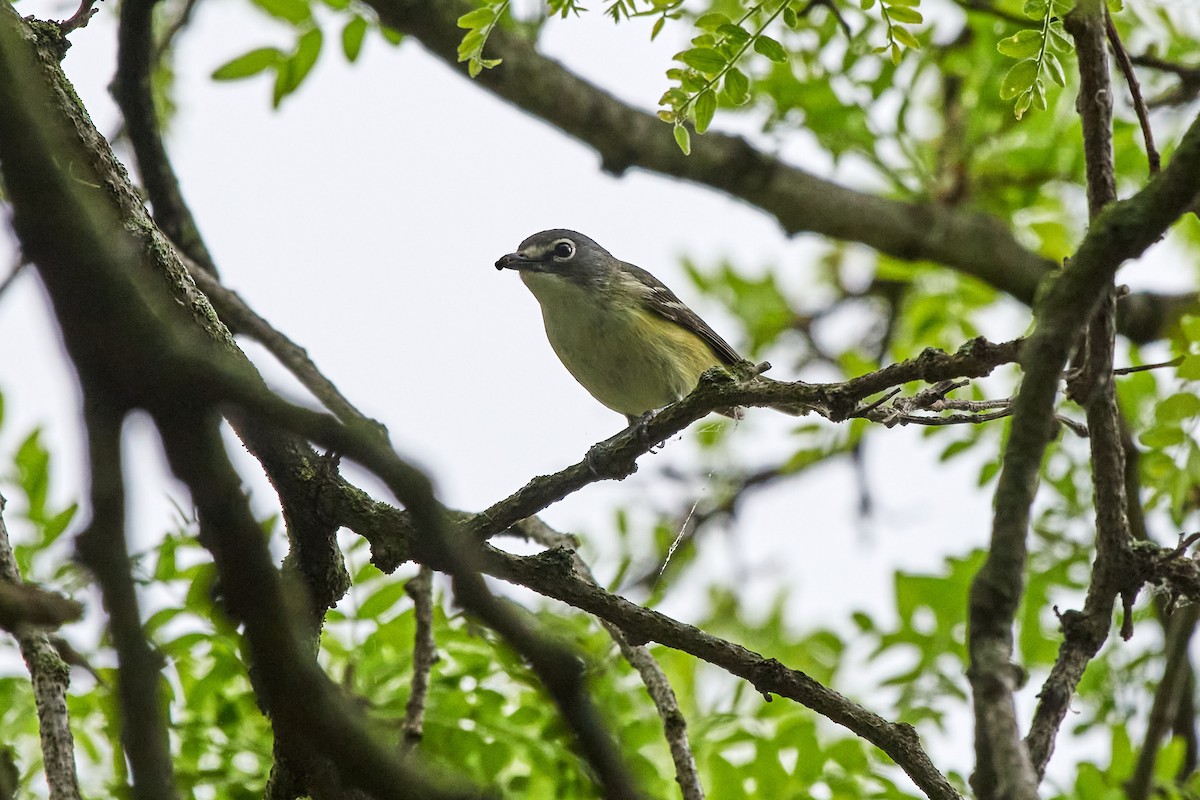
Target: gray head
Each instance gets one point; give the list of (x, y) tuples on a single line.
[(561, 252)]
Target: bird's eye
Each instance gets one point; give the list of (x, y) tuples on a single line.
[(564, 250)]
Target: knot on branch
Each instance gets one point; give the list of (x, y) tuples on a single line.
[(556, 562)]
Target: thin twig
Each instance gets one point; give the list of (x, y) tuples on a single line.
[(1189, 79), (242, 319), (11, 277), (82, 16), (1174, 362), (420, 589), (167, 40), (1135, 92), (833, 9)]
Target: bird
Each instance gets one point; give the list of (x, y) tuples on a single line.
[(623, 335)]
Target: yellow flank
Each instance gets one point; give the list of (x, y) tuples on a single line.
[(628, 357)]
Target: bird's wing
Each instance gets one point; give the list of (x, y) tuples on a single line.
[(663, 302)]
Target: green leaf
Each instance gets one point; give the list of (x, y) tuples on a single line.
[(683, 139), (712, 21), (293, 11), (1161, 436), (1054, 67), (737, 86), (735, 35), (1019, 79), (479, 18), (1036, 9), (308, 48), (905, 37), (251, 63), (391, 35), (1190, 327), (867, 5), (766, 46), (706, 107), (1189, 370), (790, 19), (704, 59), (352, 38), (1022, 44), (383, 599), (1178, 407), (907, 15)]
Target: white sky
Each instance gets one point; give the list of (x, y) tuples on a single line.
[(363, 219)]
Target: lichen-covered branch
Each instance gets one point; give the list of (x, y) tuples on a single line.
[(50, 678)]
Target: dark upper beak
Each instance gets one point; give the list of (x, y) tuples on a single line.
[(514, 261)]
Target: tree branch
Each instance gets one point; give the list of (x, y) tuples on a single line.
[(1168, 698), (973, 244), (50, 678), (1123, 230), (1113, 574), (420, 589), (101, 547), (553, 574), (639, 657)]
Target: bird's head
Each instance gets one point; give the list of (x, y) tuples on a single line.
[(563, 253)]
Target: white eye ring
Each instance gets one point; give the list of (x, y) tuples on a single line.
[(564, 250)]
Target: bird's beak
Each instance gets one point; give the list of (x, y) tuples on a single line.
[(515, 261)]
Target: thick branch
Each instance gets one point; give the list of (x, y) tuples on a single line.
[(1113, 574), (971, 243), (1123, 230), (103, 550), (552, 574), (132, 91)]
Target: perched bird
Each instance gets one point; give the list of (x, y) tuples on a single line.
[(617, 329)]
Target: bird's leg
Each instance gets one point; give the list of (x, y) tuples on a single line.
[(638, 426)]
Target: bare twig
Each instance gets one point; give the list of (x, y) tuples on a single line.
[(420, 589), (11, 277), (1174, 362), (1189, 79), (833, 9), (1135, 92), (82, 16), (242, 319), (50, 678), (167, 40)]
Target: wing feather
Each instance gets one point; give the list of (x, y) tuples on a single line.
[(662, 301)]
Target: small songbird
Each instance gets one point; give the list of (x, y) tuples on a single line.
[(617, 329)]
